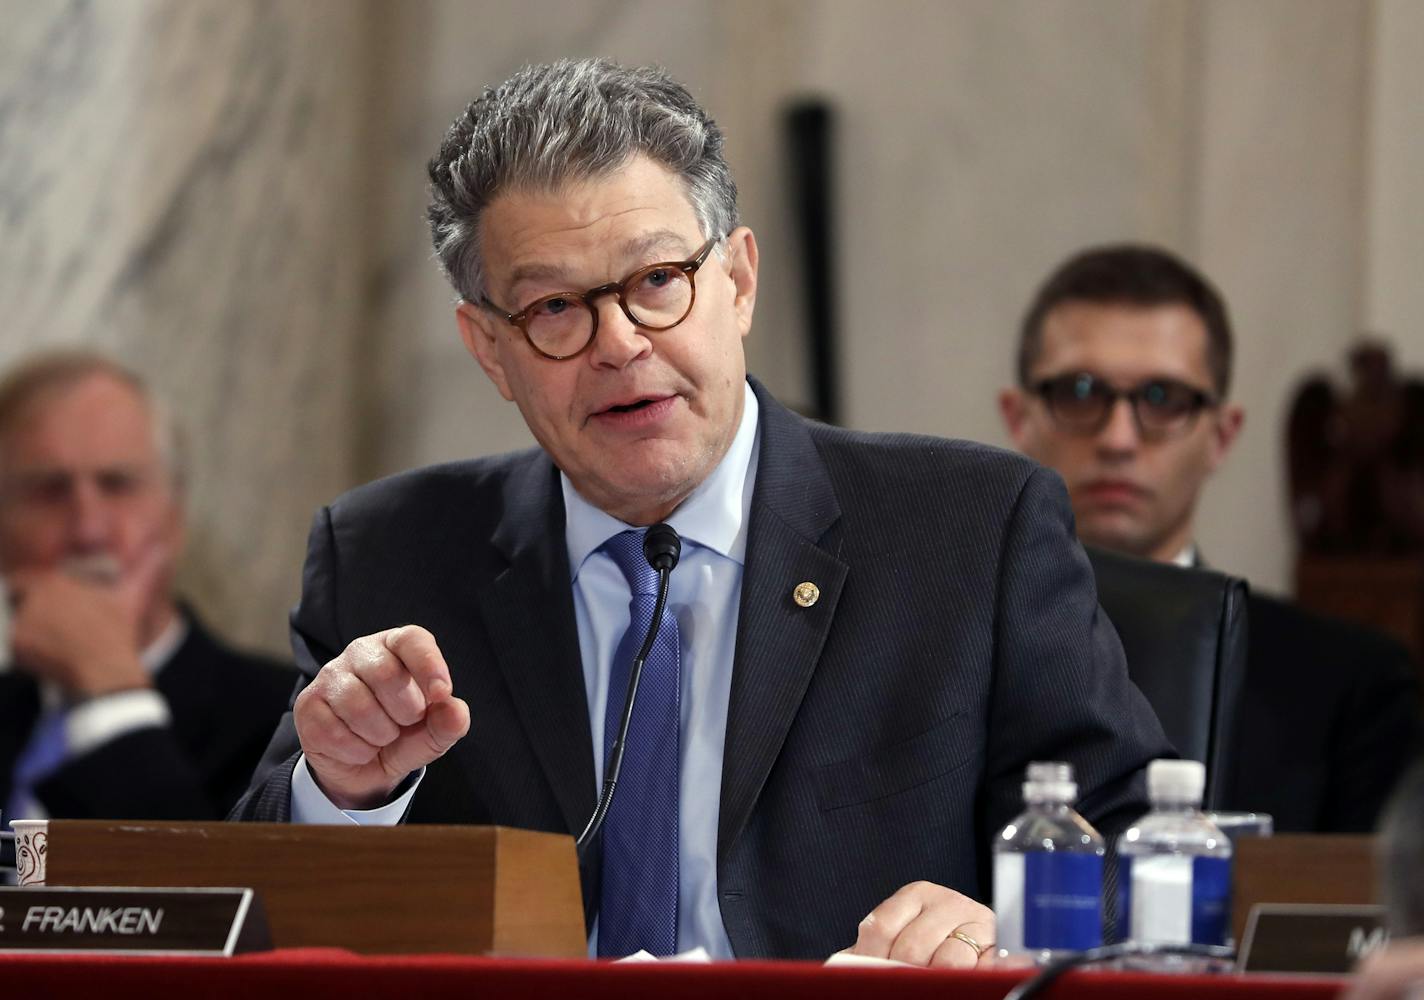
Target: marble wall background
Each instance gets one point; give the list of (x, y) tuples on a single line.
[(230, 194), (182, 183)]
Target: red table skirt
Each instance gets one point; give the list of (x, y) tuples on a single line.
[(313, 974)]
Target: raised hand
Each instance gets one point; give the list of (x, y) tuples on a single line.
[(382, 709)]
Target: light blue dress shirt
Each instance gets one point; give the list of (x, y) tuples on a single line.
[(704, 593)]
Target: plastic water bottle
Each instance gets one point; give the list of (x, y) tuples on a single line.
[(1174, 881), (1048, 872)]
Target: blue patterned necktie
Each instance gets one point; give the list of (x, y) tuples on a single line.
[(638, 908)]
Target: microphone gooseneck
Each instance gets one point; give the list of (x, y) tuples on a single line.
[(661, 547)]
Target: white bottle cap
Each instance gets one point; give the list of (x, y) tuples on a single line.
[(1176, 781), (1050, 781)]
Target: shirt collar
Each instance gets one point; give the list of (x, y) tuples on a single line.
[(156, 654), (1187, 558), (714, 516)]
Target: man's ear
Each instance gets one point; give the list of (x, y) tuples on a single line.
[(1229, 421), (1012, 407), (742, 249), (481, 337)]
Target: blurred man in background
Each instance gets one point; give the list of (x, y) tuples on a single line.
[(115, 702), (1124, 363)]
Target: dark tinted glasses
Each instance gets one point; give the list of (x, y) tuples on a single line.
[(1082, 402)]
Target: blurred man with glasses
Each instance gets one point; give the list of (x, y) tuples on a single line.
[(1136, 325), (1124, 363), (867, 638)]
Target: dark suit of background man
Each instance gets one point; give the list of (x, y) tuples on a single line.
[(116, 702), (1124, 365), (876, 632)]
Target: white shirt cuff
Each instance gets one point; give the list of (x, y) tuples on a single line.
[(310, 804), (92, 723)]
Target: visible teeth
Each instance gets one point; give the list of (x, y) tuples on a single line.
[(98, 567)]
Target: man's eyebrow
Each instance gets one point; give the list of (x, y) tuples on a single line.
[(662, 244), (536, 271)]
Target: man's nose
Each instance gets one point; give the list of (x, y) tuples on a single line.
[(619, 340), (90, 518), (1120, 435)]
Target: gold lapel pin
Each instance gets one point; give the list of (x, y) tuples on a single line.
[(806, 594)]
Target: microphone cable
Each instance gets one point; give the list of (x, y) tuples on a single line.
[(662, 548)]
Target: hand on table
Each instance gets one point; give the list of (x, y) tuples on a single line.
[(382, 709), (927, 924)]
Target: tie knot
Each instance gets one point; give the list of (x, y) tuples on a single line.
[(626, 549)]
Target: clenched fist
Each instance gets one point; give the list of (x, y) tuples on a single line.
[(381, 710)]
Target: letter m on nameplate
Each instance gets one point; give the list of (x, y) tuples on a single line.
[(132, 921)]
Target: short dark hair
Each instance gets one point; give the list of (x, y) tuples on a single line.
[(1131, 275)]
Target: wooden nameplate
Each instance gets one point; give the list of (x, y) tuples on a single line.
[(479, 890)]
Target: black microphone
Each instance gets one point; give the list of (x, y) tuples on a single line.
[(661, 547)]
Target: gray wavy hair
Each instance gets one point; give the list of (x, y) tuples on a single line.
[(567, 121)]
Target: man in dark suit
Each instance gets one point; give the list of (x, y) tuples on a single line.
[(116, 702), (1329, 710), (872, 635)]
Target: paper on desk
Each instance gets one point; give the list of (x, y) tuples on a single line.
[(846, 960), (698, 954), (843, 959)]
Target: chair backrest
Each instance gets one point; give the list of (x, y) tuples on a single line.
[(1184, 633)]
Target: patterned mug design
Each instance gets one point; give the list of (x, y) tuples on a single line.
[(30, 850)]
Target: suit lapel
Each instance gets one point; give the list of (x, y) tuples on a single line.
[(528, 610), (791, 540)]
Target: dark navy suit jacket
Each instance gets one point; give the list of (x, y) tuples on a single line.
[(873, 739), (224, 704)]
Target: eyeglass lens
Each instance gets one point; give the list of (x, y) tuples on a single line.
[(657, 298), (1084, 401)]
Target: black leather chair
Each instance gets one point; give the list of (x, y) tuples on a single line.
[(1184, 632)]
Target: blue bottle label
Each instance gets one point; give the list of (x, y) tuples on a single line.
[(1211, 900), (1063, 905), (1174, 899)]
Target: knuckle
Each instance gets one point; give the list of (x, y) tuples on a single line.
[(873, 930), (362, 650), (407, 635), (380, 668)]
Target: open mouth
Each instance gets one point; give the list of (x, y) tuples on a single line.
[(643, 412), (631, 407)]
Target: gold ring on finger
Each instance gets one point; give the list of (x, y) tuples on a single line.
[(959, 935)]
